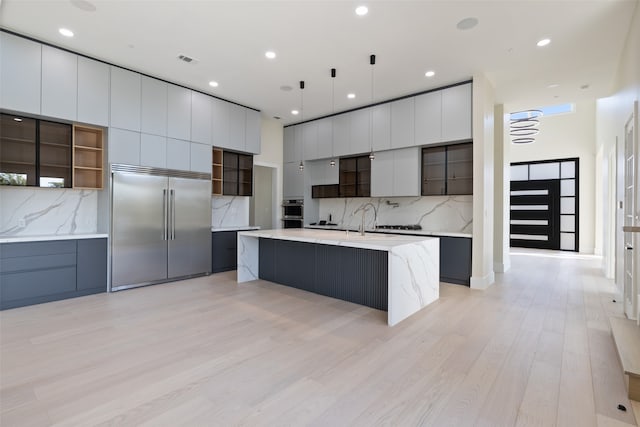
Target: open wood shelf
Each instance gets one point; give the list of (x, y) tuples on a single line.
[(88, 151), (217, 166)]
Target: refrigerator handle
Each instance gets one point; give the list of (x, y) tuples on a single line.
[(173, 214), (164, 214)]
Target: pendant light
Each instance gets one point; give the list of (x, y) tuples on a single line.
[(301, 165), (333, 110), (372, 156)]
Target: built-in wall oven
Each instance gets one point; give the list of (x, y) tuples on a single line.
[(292, 214)]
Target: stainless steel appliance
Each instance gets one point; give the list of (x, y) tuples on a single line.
[(292, 214), (161, 225)]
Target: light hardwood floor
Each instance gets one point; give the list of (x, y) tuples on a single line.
[(533, 349)]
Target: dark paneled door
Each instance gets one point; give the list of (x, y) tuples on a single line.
[(535, 213)]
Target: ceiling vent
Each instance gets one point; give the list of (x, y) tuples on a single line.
[(187, 59)]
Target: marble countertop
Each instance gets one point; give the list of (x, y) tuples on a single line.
[(235, 228), (375, 241), (43, 238), (387, 231)]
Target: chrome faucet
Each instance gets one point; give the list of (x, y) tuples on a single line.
[(364, 208)]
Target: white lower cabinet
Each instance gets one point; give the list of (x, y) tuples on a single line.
[(396, 173)]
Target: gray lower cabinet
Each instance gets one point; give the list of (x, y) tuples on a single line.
[(224, 252), (350, 274), (455, 260), (37, 272)]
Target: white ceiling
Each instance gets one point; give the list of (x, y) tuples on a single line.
[(229, 39)]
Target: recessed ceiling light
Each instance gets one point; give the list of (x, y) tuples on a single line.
[(584, 86), (554, 85), (467, 23), (213, 83), (66, 32), (351, 95), (543, 42), (295, 112), (362, 10), (276, 117), (17, 119), (270, 54), (286, 88), (430, 73)]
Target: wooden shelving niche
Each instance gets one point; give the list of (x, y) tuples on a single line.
[(88, 150), (216, 172)]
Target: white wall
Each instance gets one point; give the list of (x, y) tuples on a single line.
[(562, 136), (482, 268), (611, 115)]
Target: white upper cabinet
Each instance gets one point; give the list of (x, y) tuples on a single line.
[(220, 122), (456, 113), (236, 127), (93, 92), (200, 158), (381, 116), (153, 151), (253, 128), (320, 172), (310, 140), (360, 141), (288, 144), (59, 83), (292, 181), (201, 115), (20, 68), (124, 147), (382, 174), (178, 112), (178, 154), (428, 118), (342, 135), (154, 106), (402, 123), (406, 172), (325, 141), (396, 173), (125, 99)]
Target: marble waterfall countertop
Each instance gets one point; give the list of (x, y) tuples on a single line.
[(390, 231), (413, 278), (235, 228), (43, 238), (375, 241)]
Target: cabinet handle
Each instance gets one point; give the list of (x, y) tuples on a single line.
[(164, 215), (173, 215), (629, 248)]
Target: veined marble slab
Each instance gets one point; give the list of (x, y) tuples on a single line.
[(413, 270), (388, 231), (229, 211), (45, 238), (33, 211), (235, 228)]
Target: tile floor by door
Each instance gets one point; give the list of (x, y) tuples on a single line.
[(533, 349)]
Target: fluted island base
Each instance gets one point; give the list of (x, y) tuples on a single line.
[(399, 274)]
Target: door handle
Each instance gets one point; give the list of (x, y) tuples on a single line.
[(173, 214), (164, 215), (629, 248)]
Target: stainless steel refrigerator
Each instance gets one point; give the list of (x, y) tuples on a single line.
[(161, 225)]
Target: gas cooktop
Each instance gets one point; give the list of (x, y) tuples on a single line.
[(400, 227)]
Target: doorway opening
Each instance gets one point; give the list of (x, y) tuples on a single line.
[(544, 204), (262, 204)]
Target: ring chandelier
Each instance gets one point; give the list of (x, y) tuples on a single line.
[(524, 126)]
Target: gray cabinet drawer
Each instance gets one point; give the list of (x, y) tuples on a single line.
[(28, 249), (9, 265), (32, 284), (92, 264)]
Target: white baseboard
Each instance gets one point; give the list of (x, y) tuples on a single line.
[(483, 282), (501, 267)]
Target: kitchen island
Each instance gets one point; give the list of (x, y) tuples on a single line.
[(399, 274)]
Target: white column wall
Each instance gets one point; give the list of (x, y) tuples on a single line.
[(502, 260), (482, 274)]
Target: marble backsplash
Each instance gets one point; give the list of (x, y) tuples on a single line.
[(433, 213), (36, 211), (229, 211)]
